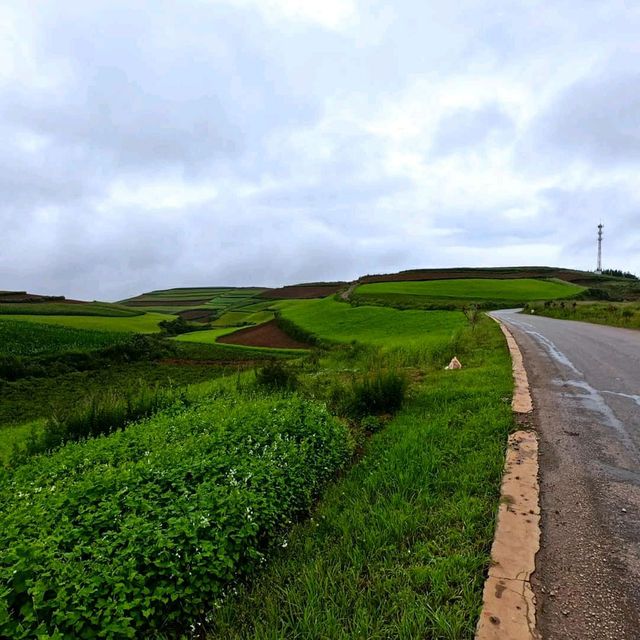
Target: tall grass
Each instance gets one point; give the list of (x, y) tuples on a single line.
[(98, 415)]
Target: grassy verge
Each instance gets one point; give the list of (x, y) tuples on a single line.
[(621, 314), (399, 546)]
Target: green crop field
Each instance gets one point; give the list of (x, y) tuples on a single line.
[(144, 323), (223, 299), (34, 338), (231, 319), (476, 289), (68, 309), (208, 336), (484, 291), (341, 322)]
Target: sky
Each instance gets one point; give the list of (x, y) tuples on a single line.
[(151, 144)]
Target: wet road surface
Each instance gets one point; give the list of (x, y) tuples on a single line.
[(585, 382)]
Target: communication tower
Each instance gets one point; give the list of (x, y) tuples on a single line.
[(599, 269)]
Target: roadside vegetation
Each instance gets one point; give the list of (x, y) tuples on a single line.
[(620, 314), (348, 489)]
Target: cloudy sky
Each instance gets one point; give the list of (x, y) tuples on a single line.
[(149, 144)]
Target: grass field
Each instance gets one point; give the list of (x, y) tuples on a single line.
[(145, 323), (18, 338), (67, 309), (208, 336), (489, 293), (340, 322)]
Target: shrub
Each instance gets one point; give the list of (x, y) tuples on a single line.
[(372, 423), (180, 325), (140, 533), (378, 393), (277, 376)]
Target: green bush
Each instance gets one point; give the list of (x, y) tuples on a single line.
[(276, 375), (379, 393), (140, 533)]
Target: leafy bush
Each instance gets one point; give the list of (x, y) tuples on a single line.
[(277, 376), (180, 325), (377, 394), (141, 532)]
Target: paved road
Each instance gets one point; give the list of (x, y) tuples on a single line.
[(585, 382)]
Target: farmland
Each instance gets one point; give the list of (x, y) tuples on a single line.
[(484, 292), (143, 323), (69, 309), (336, 321), (272, 492), (35, 338)]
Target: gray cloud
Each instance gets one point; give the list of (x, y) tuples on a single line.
[(596, 119), (241, 142), (471, 128)]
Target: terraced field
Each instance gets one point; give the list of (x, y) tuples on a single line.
[(485, 292), (34, 338), (143, 323), (340, 322)]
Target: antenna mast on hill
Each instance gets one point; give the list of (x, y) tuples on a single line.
[(599, 269)]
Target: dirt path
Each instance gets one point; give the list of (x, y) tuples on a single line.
[(346, 295), (585, 381)]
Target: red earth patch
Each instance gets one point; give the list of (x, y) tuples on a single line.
[(268, 334)]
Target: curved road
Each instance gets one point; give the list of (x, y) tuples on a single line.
[(585, 382)]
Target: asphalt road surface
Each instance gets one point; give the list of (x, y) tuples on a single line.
[(585, 383)]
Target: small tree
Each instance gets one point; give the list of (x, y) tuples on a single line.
[(473, 315)]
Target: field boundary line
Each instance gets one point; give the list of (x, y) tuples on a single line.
[(508, 602)]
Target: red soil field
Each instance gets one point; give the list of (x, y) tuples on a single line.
[(304, 291), (268, 334), (22, 297), (164, 303), (197, 315)]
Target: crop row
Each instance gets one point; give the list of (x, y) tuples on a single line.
[(19, 338), (143, 531)]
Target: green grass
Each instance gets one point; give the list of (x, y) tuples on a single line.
[(60, 309), (340, 322), (145, 323), (18, 338), (208, 336), (231, 319), (619, 314), (32, 398), (460, 292), (399, 546)]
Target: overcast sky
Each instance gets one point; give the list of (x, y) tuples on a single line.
[(149, 144)]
